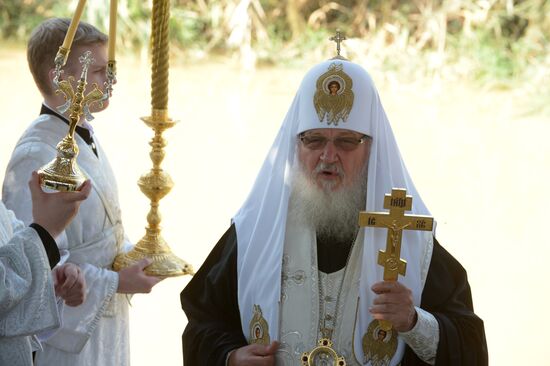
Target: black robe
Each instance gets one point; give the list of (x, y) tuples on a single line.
[(214, 328)]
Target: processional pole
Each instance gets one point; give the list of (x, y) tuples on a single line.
[(157, 183)]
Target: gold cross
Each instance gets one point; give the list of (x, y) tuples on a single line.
[(395, 221), (77, 102), (338, 38), (86, 59)]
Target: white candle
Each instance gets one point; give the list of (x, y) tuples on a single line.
[(74, 24), (112, 30)]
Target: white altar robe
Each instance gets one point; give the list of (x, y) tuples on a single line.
[(96, 332), (299, 330), (27, 300)]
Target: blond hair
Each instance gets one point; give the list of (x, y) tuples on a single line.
[(45, 41)]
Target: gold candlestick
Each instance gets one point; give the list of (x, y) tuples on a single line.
[(157, 183), (62, 173)]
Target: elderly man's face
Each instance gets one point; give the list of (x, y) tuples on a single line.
[(333, 158)]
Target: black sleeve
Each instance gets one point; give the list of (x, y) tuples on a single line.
[(448, 297), (211, 305), (50, 246)]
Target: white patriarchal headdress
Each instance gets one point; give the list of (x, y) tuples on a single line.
[(260, 223)]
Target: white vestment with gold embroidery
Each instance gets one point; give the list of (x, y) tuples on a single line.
[(27, 300), (299, 331), (261, 222)]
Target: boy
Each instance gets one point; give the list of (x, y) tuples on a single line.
[(96, 333)]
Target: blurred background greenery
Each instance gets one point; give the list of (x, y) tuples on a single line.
[(500, 43)]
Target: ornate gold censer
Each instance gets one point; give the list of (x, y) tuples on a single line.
[(157, 183)]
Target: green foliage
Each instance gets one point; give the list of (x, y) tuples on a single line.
[(187, 28), (18, 18), (486, 40)]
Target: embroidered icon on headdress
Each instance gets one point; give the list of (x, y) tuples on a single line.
[(259, 329), (379, 345), (334, 97)]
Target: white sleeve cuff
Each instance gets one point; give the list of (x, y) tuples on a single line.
[(423, 338)]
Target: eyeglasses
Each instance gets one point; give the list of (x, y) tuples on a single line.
[(318, 142)]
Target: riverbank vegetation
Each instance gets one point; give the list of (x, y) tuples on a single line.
[(500, 43)]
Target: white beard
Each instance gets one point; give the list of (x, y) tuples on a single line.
[(333, 214)]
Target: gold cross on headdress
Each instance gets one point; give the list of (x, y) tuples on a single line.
[(395, 221), (338, 38)]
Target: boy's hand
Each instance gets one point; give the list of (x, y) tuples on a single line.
[(70, 284), (133, 280)]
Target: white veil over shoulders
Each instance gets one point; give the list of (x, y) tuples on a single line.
[(261, 221)]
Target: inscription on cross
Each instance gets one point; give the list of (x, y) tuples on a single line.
[(395, 222)]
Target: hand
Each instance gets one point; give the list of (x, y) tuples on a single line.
[(395, 304), (70, 284), (254, 355), (54, 211), (133, 280)]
